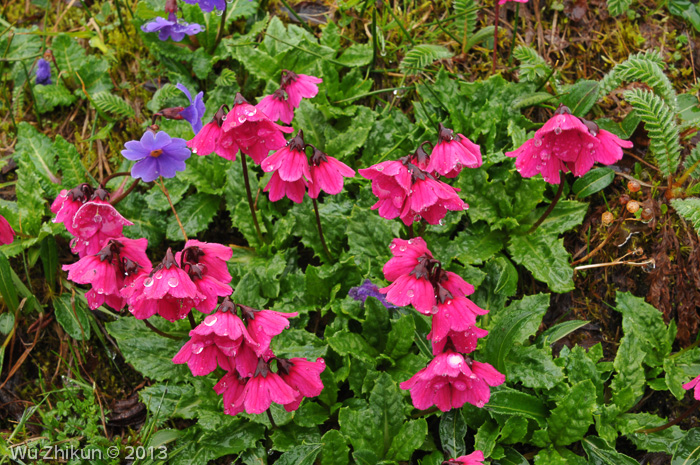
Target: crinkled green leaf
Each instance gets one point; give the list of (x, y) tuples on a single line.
[(453, 430), (546, 258), (533, 367), (572, 417)]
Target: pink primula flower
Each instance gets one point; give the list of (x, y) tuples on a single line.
[(95, 222), (476, 457), (290, 168), (206, 264), (391, 183), (66, 205), (327, 174), (694, 384), (263, 325), (277, 107), (251, 131), (107, 270), (167, 291), (303, 376), (210, 138), (567, 143), (231, 386), (298, 86), (452, 153), (430, 199), (7, 234), (463, 341), (406, 255), (263, 388), (414, 288), (456, 314)]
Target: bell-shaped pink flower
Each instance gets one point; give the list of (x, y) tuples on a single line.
[(464, 342), (290, 168), (406, 256), (457, 314), (167, 291), (263, 325), (476, 457), (206, 264), (695, 385), (430, 199), (298, 86), (66, 205), (95, 222), (210, 138), (263, 388), (106, 271), (251, 131), (7, 234), (303, 376), (415, 289), (232, 387), (327, 174), (391, 183), (452, 153), (277, 107), (566, 143)]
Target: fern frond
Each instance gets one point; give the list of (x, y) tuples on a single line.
[(532, 66), (466, 23), (18, 101), (689, 210), (226, 78), (109, 103), (693, 158), (421, 56), (640, 68), (660, 123), (617, 7)]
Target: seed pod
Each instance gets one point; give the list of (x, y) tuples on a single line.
[(607, 218), (632, 206), (624, 198), (634, 186), (647, 214)]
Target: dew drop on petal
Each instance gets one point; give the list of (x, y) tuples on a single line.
[(557, 130), (223, 118), (194, 150), (402, 248), (380, 168), (197, 350), (410, 241), (173, 282), (148, 282), (454, 360), (392, 246), (210, 320), (538, 142), (434, 310), (97, 219), (410, 293), (159, 275)]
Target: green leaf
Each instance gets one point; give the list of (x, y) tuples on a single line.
[(386, 403), (647, 323), (594, 181), (370, 235), (533, 367), (171, 401), (401, 337), (600, 453), (72, 317), (660, 441), (518, 322), (407, 440), (108, 102), (196, 212), (453, 430), (7, 289), (628, 384), (511, 402), (335, 448), (151, 354), (300, 455), (617, 7), (566, 215), (298, 343), (581, 97), (545, 257), (573, 415), (234, 436), (421, 56), (356, 55), (485, 439), (687, 10), (559, 331), (688, 450), (52, 96), (345, 343), (30, 202), (689, 210), (73, 171), (678, 369), (512, 457), (35, 150)]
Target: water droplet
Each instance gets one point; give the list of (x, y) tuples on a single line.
[(538, 142), (557, 130), (148, 282), (402, 248), (410, 241), (380, 168), (544, 155), (410, 293), (449, 302), (434, 310), (392, 246), (173, 282), (219, 12), (538, 167), (241, 119), (590, 145), (441, 222), (210, 320), (97, 219), (159, 275), (100, 291), (223, 118), (454, 360), (480, 404), (194, 150), (197, 350)]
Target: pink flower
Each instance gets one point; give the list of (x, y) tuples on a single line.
[(95, 222), (251, 131), (391, 183), (262, 389), (455, 285), (106, 270), (210, 138), (503, 2), (277, 107), (289, 166), (298, 86), (456, 314), (476, 457), (206, 264), (327, 174), (413, 289), (302, 375), (451, 154), (695, 383), (263, 325), (448, 382), (463, 341), (407, 254), (429, 199), (566, 143), (167, 291), (66, 205), (232, 387), (7, 234)]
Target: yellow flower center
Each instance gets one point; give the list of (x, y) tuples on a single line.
[(156, 153)]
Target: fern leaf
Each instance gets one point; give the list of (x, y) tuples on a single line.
[(660, 123), (18, 101), (421, 56), (640, 68), (532, 66), (112, 104), (617, 7), (693, 158), (466, 22), (226, 78), (689, 210)]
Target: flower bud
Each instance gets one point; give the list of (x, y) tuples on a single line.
[(634, 186), (632, 206), (607, 218)]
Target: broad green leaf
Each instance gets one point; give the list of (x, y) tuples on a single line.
[(660, 441), (645, 321), (559, 331), (356, 55), (300, 455), (533, 367), (511, 402), (514, 430), (335, 449), (408, 439), (628, 384), (572, 417), (516, 324), (453, 430), (361, 427), (485, 439), (235, 435), (345, 343), (594, 181), (195, 212), (581, 97), (500, 283), (545, 257), (580, 367), (369, 236), (7, 289), (386, 403), (512, 457), (679, 368), (171, 401), (72, 316), (298, 343), (688, 450), (566, 215), (600, 453), (400, 337)]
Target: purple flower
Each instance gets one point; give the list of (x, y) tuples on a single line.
[(156, 155), (43, 72), (193, 114), (367, 289), (171, 28), (208, 5)]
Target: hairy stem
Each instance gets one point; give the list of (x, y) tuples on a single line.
[(167, 196), (222, 26), (250, 198), (320, 231), (272, 421), (544, 216), (119, 197)]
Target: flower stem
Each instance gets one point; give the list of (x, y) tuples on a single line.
[(114, 175), (423, 413), (222, 26), (672, 422), (515, 33), (158, 331), (495, 36), (272, 421), (119, 197), (250, 198), (193, 324), (556, 198), (167, 196), (320, 231)]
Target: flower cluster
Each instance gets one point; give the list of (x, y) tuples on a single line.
[(89, 217), (409, 188), (172, 27), (451, 379), (241, 346), (292, 173), (567, 143), (280, 104)]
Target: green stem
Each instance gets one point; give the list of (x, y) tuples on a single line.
[(515, 33), (672, 422), (298, 18), (320, 231), (544, 216), (222, 26), (495, 36), (159, 332), (374, 92), (172, 207), (249, 194), (401, 26), (687, 173)]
